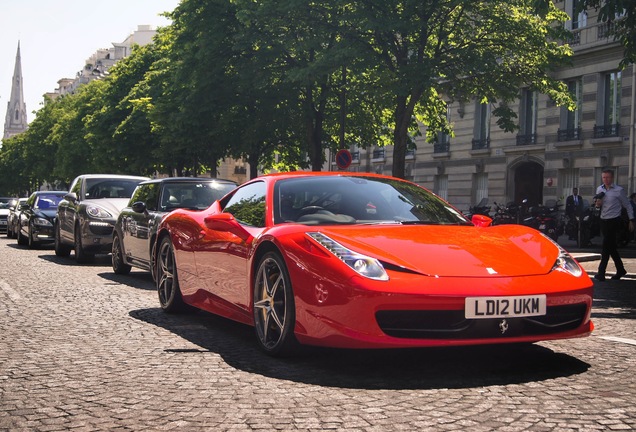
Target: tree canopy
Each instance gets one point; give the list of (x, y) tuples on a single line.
[(277, 82)]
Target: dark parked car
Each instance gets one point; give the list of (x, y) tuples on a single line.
[(87, 215), (37, 217), (14, 217), (136, 225), (5, 202)]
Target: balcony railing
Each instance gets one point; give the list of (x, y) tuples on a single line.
[(479, 144), (441, 147), (527, 139), (592, 35), (605, 30), (378, 154), (569, 134), (607, 130)]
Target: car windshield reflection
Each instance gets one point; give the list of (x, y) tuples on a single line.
[(359, 200)]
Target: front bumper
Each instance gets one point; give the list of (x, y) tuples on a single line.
[(97, 236)]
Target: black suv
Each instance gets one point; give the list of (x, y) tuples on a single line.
[(136, 227)]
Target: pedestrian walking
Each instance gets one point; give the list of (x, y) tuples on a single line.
[(613, 200)]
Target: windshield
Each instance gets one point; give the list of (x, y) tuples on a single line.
[(110, 188), (356, 200), (48, 201)]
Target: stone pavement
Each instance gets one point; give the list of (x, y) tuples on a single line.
[(83, 349)]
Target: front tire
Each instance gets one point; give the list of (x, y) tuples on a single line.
[(167, 280), (61, 249), (119, 266), (274, 306), (22, 240), (31, 241), (81, 256)]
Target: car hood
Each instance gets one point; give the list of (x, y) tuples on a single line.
[(48, 213), (4, 211), (113, 206), (453, 251)]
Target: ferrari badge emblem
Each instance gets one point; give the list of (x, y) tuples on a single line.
[(503, 326)]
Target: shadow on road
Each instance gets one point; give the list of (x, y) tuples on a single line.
[(614, 299), (135, 279), (100, 260), (430, 368)]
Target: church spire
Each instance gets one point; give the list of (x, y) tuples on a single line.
[(16, 120)]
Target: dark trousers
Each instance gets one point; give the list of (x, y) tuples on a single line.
[(609, 228)]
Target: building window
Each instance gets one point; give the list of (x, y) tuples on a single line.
[(570, 126), (441, 186), (609, 124), (579, 18), (480, 184), (481, 134), (442, 140), (528, 117), (378, 155)]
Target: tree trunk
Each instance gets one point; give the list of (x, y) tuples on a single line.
[(252, 160), (403, 115), (313, 126), (400, 137)]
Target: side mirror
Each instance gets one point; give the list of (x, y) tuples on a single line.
[(139, 207), (24, 207), (226, 222), (70, 197), (481, 220)]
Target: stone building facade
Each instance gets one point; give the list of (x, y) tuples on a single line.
[(554, 150)]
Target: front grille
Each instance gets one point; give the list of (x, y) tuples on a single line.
[(453, 325)]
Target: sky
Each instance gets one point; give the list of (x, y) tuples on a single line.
[(57, 37)]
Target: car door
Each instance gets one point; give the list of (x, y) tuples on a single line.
[(66, 212), (138, 220), (25, 216), (222, 258)]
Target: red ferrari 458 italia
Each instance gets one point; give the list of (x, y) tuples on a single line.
[(366, 261)]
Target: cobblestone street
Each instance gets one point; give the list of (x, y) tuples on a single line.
[(84, 349)]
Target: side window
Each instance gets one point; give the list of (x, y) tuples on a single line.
[(247, 204), (76, 188), (147, 194)]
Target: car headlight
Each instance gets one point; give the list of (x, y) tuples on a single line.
[(362, 264), (567, 264), (97, 212), (42, 221), (564, 261)]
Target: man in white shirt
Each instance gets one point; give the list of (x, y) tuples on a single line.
[(613, 200)]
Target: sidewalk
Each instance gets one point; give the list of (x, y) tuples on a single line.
[(590, 256)]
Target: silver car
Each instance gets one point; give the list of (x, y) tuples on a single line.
[(87, 215)]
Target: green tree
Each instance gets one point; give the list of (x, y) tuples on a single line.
[(187, 92), (428, 52), (118, 133), (620, 16), (298, 45)]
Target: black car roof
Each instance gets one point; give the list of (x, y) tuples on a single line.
[(187, 180)]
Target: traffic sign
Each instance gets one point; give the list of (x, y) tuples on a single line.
[(343, 158)]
